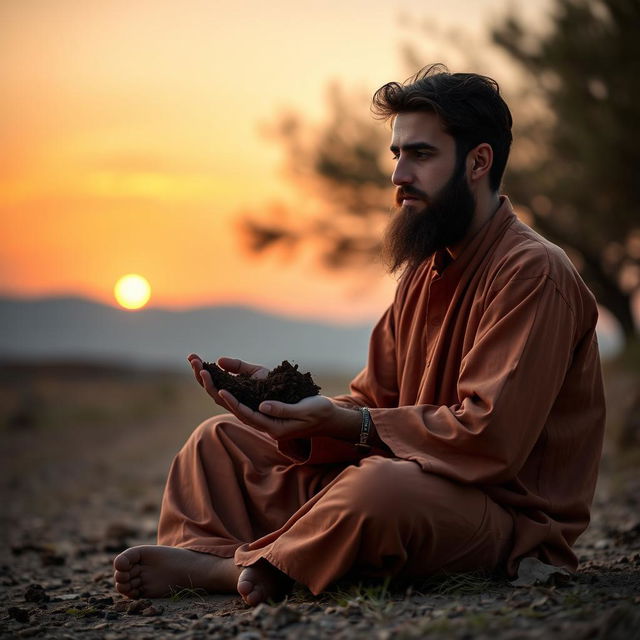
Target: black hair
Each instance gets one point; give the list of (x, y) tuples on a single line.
[(469, 105)]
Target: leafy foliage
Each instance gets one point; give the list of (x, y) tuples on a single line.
[(580, 178), (574, 169)]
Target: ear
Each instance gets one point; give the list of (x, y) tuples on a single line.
[(479, 161)]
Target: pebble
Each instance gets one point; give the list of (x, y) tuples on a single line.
[(153, 610), (138, 606), (36, 593), (19, 614)]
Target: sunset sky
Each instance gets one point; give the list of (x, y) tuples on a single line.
[(131, 138)]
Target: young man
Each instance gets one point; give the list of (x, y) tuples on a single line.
[(480, 410)]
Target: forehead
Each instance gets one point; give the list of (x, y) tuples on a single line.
[(420, 126)]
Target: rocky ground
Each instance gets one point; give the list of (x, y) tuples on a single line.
[(84, 452)]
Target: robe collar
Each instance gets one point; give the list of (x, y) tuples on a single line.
[(475, 247)]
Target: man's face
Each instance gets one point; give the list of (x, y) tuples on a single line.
[(435, 205)]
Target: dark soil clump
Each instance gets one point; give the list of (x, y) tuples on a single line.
[(284, 384)]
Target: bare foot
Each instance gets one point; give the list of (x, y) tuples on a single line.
[(155, 571), (262, 582)]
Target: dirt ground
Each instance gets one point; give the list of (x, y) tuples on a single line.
[(84, 454)]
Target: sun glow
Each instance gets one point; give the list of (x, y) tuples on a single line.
[(132, 291)]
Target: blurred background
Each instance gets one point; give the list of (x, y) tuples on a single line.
[(224, 152)]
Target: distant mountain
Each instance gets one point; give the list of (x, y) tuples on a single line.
[(77, 329)]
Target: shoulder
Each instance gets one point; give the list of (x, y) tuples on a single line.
[(523, 254)]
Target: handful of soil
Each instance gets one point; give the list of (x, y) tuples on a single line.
[(284, 383)]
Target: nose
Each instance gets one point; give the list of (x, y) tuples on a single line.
[(401, 174)]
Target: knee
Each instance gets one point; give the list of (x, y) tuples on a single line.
[(379, 488), (388, 488)]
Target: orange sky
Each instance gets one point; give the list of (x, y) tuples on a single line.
[(131, 143)]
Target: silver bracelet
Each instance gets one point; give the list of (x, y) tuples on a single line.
[(365, 429)]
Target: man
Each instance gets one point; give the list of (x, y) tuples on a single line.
[(470, 440)]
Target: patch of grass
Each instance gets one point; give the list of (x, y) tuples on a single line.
[(372, 599), (460, 584), (181, 594), (82, 613), (572, 599)]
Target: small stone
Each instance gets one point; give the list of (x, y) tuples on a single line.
[(199, 625), (138, 606), (67, 596), (21, 615), (121, 605), (36, 593), (153, 610), (30, 631), (260, 611), (282, 616), (52, 559)]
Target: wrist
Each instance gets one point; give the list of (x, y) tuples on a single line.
[(347, 423)]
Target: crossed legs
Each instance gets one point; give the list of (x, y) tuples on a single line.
[(239, 517)]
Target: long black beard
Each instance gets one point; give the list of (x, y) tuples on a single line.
[(413, 235)]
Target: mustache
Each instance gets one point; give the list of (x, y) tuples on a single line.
[(410, 192)]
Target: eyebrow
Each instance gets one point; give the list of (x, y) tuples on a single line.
[(413, 146)]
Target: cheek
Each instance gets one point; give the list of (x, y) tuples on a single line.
[(434, 176)]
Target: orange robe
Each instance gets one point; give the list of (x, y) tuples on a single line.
[(484, 383)]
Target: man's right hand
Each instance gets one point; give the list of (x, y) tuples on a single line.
[(231, 365)]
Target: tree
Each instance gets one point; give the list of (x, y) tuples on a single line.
[(575, 168), (582, 182)]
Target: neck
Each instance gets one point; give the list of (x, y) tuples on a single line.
[(487, 204)]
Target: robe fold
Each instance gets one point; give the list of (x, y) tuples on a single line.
[(484, 383)]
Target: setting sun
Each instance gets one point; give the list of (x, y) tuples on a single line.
[(132, 291)]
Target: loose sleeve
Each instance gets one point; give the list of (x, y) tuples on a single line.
[(374, 386), (377, 384), (506, 388)]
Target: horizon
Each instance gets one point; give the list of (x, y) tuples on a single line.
[(130, 147)]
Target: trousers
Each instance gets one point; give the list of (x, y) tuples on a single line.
[(231, 493)]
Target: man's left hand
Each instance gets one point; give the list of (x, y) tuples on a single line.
[(313, 416)]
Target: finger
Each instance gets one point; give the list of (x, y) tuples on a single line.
[(249, 416), (196, 366), (207, 383), (235, 365), (276, 409)]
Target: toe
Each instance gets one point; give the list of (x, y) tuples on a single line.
[(255, 597), (246, 582), (245, 587), (122, 576), (127, 559)]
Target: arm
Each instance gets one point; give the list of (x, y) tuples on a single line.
[(507, 385), (291, 425), (377, 384)]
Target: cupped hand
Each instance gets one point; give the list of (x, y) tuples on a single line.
[(231, 365), (282, 421)]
